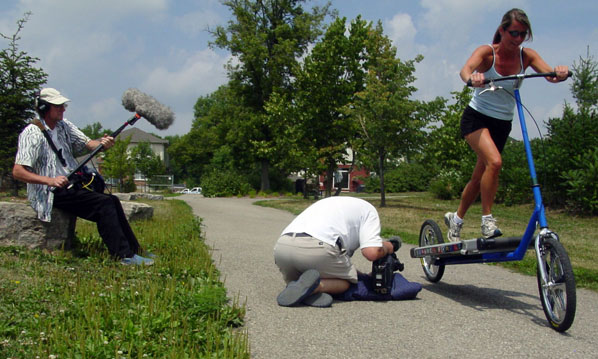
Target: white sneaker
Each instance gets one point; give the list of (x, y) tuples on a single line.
[(454, 232), (489, 228)]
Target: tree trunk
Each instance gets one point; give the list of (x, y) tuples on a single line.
[(265, 185), (329, 178), (381, 172), (317, 188)]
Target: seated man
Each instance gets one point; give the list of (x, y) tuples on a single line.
[(44, 168), (314, 251)]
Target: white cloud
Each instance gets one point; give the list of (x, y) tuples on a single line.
[(455, 23), (193, 23), (402, 31), (201, 73), (99, 108), (79, 12)]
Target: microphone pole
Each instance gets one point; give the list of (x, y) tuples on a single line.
[(131, 122)]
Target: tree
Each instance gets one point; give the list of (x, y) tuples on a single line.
[(573, 139), (325, 85), (117, 163), (585, 83), (267, 38), (445, 149), (147, 163), (95, 131), (446, 153), (293, 140), (218, 122), (388, 119), (19, 81)]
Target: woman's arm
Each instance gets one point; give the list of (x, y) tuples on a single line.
[(539, 65), (473, 64)]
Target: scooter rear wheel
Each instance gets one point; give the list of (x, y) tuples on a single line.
[(431, 234), (558, 291)]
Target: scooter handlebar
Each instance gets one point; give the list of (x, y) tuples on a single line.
[(525, 76)]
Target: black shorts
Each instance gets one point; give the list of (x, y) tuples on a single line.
[(473, 120)]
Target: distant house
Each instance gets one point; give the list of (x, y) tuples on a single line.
[(157, 144), (349, 178), (346, 176)]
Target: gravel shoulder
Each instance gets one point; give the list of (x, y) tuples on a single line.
[(475, 310)]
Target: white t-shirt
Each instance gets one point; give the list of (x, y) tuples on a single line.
[(352, 220)]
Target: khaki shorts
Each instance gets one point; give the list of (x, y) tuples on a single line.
[(295, 255)]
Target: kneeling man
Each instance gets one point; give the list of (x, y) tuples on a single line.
[(314, 251)]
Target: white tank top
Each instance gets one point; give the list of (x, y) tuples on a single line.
[(497, 104)]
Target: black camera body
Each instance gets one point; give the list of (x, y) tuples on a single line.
[(383, 270)]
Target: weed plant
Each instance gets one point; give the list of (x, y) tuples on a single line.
[(83, 304)]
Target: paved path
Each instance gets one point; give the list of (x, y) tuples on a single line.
[(476, 310)]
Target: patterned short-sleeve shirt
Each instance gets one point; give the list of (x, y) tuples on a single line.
[(35, 152)]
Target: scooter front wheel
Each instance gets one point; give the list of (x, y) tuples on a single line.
[(557, 292), (431, 234)]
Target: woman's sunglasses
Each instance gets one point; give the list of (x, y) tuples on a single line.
[(514, 33)]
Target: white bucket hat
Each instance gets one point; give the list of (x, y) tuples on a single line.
[(52, 96)]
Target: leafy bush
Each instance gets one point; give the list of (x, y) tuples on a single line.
[(569, 136), (224, 183), (129, 186), (407, 177), (372, 183), (583, 183), (447, 185), (515, 181)]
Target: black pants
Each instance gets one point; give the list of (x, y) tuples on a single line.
[(107, 212)]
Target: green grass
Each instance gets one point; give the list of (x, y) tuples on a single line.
[(83, 304), (405, 212)]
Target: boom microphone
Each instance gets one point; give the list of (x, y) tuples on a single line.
[(147, 107), (144, 106)]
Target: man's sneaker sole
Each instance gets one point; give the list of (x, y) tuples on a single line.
[(298, 290), (319, 300)]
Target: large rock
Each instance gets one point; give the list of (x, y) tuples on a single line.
[(19, 226), (133, 196), (136, 210)]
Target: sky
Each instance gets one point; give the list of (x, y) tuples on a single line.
[(93, 51)]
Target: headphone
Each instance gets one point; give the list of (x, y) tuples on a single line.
[(41, 106)]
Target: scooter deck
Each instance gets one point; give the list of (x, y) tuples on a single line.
[(468, 247)]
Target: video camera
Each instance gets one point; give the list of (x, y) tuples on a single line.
[(383, 269)]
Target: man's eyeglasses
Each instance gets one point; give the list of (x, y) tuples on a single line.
[(515, 33)]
